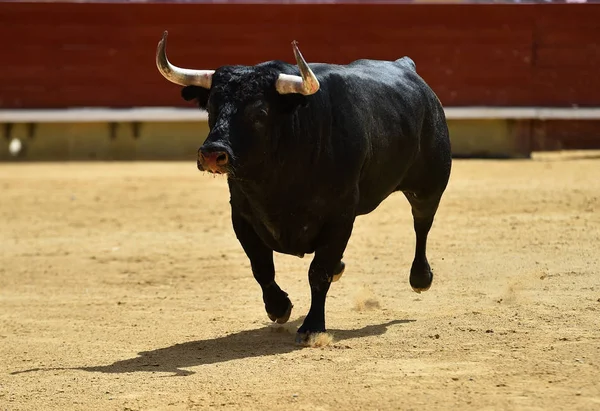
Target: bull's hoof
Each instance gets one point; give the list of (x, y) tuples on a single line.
[(310, 327), (419, 290), (421, 277), (338, 272), (277, 304), (283, 318), (302, 338), (314, 339), (305, 338)]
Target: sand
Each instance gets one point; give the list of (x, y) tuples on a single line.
[(123, 287)]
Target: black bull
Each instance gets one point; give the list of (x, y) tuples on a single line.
[(302, 166)]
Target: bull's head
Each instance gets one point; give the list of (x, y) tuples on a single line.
[(245, 106)]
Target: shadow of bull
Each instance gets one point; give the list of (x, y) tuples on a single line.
[(260, 342)]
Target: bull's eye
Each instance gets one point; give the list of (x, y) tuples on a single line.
[(259, 122), (261, 117), (257, 113)]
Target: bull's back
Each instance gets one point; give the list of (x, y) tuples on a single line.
[(384, 112)]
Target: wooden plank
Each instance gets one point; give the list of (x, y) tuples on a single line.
[(566, 55), (95, 115), (567, 87), (572, 57), (565, 135), (567, 25), (172, 114)]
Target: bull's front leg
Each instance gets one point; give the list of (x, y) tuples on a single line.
[(325, 265), (277, 303)]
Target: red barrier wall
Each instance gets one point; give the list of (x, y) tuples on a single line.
[(67, 54)]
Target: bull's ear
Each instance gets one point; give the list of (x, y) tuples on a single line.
[(194, 92)]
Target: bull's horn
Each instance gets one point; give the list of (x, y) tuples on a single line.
[(307, 84), (178, 75)]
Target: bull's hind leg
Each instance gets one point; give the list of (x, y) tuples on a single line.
[(277, 303), (424, 208)]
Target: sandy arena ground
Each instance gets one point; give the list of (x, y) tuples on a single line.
[(122, 286)]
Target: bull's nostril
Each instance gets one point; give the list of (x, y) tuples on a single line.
[(222, 159)]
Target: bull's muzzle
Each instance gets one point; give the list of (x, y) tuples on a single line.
[(213, 161)]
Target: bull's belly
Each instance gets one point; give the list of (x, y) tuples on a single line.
[(368, 203), (378, 184), (292, 239)]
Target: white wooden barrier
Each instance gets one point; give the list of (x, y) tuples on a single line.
[(167, 114)]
